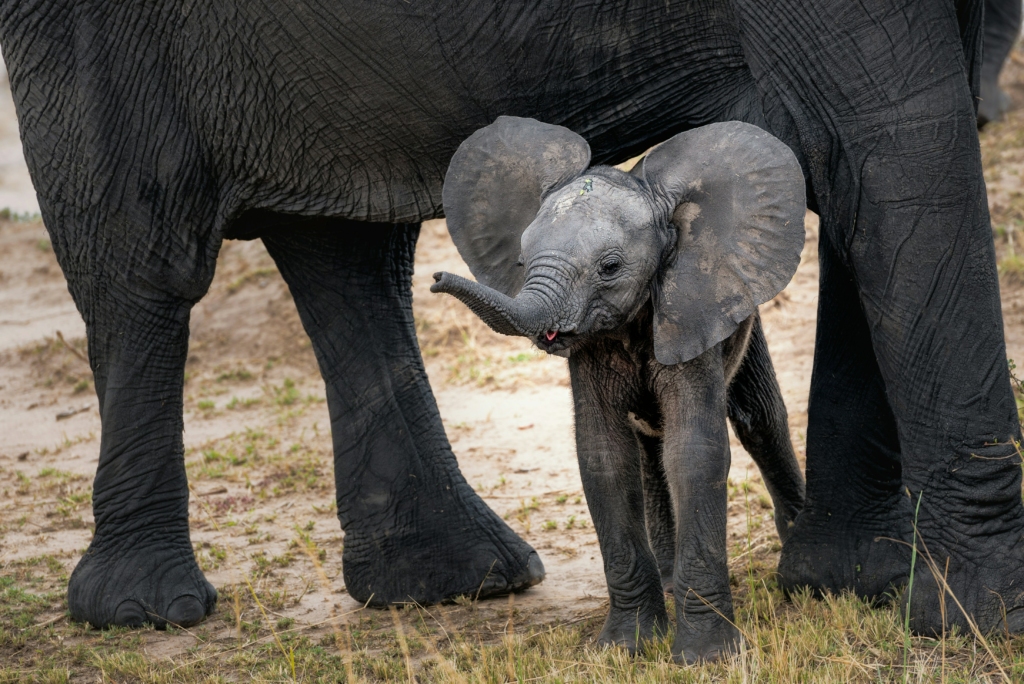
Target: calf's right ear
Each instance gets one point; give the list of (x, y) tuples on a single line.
[(494, 187)]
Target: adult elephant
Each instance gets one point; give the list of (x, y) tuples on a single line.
[(1002, 30), (155, 130)]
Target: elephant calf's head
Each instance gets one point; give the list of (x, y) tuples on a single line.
[(708, 226)]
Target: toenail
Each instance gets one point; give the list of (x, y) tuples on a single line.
[(129, 613), (535, 570), (185, 611)]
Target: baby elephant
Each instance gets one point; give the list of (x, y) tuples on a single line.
[(649, 282)]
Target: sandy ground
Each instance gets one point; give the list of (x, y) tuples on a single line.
[(257, 431), (16, 192)]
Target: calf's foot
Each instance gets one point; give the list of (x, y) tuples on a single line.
[(633, 629), (131, 581), (708, 644)]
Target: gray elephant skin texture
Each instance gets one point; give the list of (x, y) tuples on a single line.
[(153, 131), (649, 282)]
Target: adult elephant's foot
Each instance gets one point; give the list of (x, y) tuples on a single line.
[(130, 582), (863, 551), (453, 547), (414, 530), (633, 629), (982, 568)]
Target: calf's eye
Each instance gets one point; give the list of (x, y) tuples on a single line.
[(610, 267)]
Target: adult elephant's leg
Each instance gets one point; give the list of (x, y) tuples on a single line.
[(883, 109), (139, 566), (1002, 29), (759, 417), (856, 513), (414, 529)]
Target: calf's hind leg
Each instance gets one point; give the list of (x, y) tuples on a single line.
[(658, 514), (414, 529), (759, 418)]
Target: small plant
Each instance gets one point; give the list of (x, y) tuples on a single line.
[(561, 500), (523, 516), (258, 275), (212, 456), (211, 557), (550, 525), (206, 405), (24, 483), (244, 403), (239, 374), (72, 502), (286, 394), (263, 564)]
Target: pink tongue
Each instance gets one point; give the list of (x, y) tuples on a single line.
[(551, 334)]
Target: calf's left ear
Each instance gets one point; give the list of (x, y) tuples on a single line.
[(736, 198), (494, 188)]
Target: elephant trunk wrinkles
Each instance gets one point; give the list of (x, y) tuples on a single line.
[(525, 315)]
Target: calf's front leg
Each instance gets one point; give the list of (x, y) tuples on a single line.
[(696, 460), (609, 461)]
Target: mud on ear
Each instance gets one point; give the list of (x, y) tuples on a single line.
[(494, 188), (736, 198)]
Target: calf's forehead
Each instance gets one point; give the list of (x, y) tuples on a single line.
[(589, 212)]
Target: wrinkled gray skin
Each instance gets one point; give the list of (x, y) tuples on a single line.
[(607, 270)]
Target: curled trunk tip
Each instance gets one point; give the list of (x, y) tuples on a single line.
[(497, 310), (526, 315)]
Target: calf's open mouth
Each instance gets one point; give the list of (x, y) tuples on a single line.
[(554, 340)]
